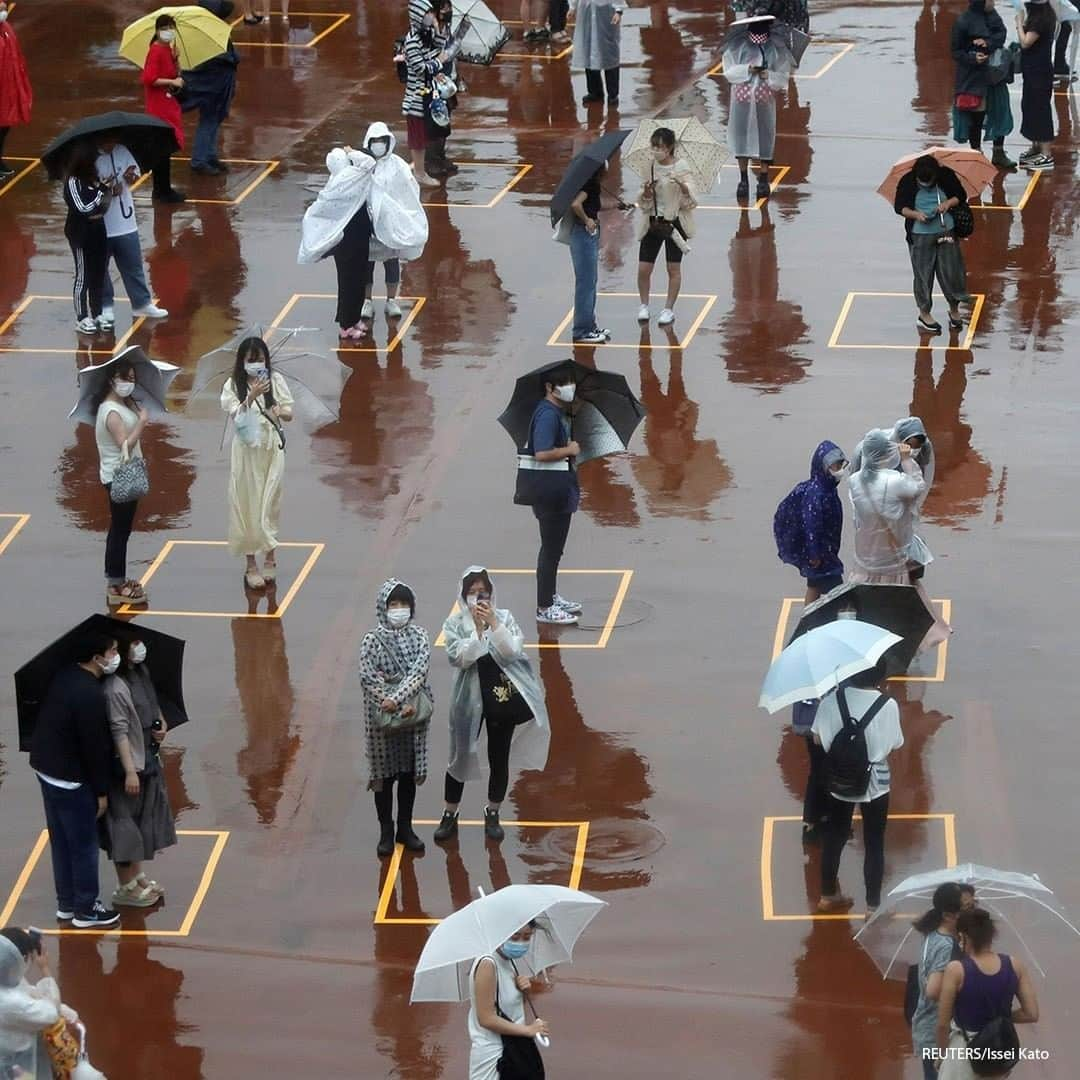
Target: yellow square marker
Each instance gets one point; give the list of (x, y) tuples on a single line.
[(1029, 187), (520, 168), (561, 55), (768, 912), (18, 521), (221, 837), (898, 300), (582, 827), (315, 549), (408, 319), (6, 325), (707, 300), (267, 167), (28, 166), (778, 173), (785, 625), (609, 623), (837, 49), (334, 20)]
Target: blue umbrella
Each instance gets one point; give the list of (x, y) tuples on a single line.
[(821, 659)]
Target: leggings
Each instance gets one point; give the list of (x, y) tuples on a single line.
[(554, 529), (500, 734), (975, 129), (557, 12), (121, 518), (163, 177), (875, 815), (3, 138), (90, 250), (406, 797), (391, 270)]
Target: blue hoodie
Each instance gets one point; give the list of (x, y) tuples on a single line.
[(810, 520)]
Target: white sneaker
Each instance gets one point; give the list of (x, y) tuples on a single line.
[(150, 311), (87, 326), (643, 313), (108, 314), (393, 309), (593, 337), (667, 317), (556, 615), (567, 605), (105, 324), (368, 310)]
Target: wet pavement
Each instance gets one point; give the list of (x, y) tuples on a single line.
[(280, 949)]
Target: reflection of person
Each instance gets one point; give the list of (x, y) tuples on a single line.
[(598, 47), (86, 199), (394, 662), (1035, 32), (16, 94), (161, 82), (938, 926), (71, 753), (257, 399), (494, 686)]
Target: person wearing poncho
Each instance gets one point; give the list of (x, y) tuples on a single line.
[(597, 47)]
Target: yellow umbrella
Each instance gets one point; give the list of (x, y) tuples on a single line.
[(200, 36)]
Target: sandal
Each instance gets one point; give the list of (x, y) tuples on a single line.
[(269, 572), (134, 895), (149, 883), (128, 593), (254, 580)]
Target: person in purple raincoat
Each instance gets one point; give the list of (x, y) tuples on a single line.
[(809, 522)]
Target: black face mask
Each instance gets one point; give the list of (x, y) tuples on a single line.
[(427, 34)]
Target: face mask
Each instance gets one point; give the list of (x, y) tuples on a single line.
[(138, 653), (659, 153), (399, 617), (124, 389), (110, 665), (840, 474), (474, 598), (379, 149), (566, 393), (167, 36), (255, 371), (3, 16), (926, 183), (514, 950)]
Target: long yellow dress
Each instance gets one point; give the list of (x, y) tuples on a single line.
[(255, 477)]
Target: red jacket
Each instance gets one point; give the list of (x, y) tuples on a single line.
[(16, 96), (161, 64)]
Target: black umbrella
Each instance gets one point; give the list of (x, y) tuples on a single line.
[(898, 608), (164, 660), (148, 138), (582, 168), (605, 413)]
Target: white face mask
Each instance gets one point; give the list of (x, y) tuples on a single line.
[(111, 664), (379, 149), (474, 598), (398, 617), (255, 371), (840, 474), (566, 393), (660, 153), (124, 389), (138, 653), (3, 16), (167, 37)]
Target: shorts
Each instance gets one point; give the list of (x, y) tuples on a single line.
[(650, 247), (417, 138)]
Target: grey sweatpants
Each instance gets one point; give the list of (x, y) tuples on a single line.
[(929, 258)]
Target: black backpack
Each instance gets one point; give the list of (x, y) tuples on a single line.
[(996, 1044), (400, 65), (847, 761)]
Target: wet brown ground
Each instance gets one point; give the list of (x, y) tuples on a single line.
[(657, 741)]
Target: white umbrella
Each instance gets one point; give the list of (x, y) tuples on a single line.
[(152, 378), (478, 30), (821, 659), (442, 972), (694, 144)]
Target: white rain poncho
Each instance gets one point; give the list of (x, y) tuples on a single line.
[(348, 188), (25, 1012), (596, 37), (506, 647), (752, 113), (399, 223), (906, 428)]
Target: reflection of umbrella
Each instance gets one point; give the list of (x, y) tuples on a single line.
[(581, 168), (478, 30), (694, 144), (148, 138), (164, 660), (820, 660), (972, 169), (442, 972), (152, 379), (1025, 910), (200, 36), (897, 608), (605, 418)]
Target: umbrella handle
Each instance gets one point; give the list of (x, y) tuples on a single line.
[(542, 1040)]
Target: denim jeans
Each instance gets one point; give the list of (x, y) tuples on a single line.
[(204, 152), (126, 252), (71, 816), (585, 255)]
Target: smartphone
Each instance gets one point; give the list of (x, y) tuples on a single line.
[(35, 937)]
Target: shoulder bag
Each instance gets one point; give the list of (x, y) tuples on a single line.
[(963, 221), (541, 483), (521, 1058), (969, 102), (130, 481), (659, 226), (423, 706)]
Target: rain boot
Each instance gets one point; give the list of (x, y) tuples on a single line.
[(384, 807), (433, 159), (406, 796), (450, 166)]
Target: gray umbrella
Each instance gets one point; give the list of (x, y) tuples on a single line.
[(152, 379)]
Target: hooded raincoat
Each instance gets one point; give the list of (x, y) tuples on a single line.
[(25, 1012), (597, 40), (810, 520), (752, 114), (393, 664), (347, 190), (906, 428), (505, 645), (398, 221)]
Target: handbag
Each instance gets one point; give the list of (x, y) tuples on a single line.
[(969, 102), (1003, 64), (541, 483), (423, 706), (130, 480), (521, 1058), (659, 226), (63, 1049), (963, 221)]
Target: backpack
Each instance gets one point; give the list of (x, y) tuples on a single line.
[(400, 65), (848, 762), (996, 1043)]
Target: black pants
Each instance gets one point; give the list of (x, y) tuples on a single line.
[(554, 529), (1061, 49), (499, 736), (353, 268), (594, 86), (875, 816), (121, 518), (557, 12), (90, 249), (975, 129), (163, 177), (3, 138), (816, 801), (406, 797)]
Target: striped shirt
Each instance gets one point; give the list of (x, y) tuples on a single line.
[(422, 62), (84, 201), (417, 10)]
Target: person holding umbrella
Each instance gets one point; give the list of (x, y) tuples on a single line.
[(87, 201), (161, 83), (210, 88), (16, 93)]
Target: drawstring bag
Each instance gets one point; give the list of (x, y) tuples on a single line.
[(130, 481)]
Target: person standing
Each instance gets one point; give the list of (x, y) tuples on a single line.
[(118, 170), (210, 88), (258, 401), (858, 701), (16, 94), (71, 753), (118, 424), (532, 21), (394, 662), (667, 204), (26, 1012), (161, 82), (598, 48), (494, 687), (86, 199), (976, 33), (1035, 32), (939, 927), (424, 58), (584, 241)]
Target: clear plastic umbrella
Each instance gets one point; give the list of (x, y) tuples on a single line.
[(694, 143), (152, 379), (478, 31), (1027, 913)]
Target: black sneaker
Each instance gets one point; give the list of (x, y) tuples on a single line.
[(205, 169), (409, 840), (6, 171), (98, 916), (64, 914), (170, 198), (592, 99), (763, 191), (743, 190), (219, 165), (447, 828), (492, 829)]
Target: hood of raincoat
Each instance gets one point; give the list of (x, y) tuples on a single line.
[(908, 428), (826, 454), (12, 964), (382, 600), (468, 572), (879, 451), (379, 130)]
